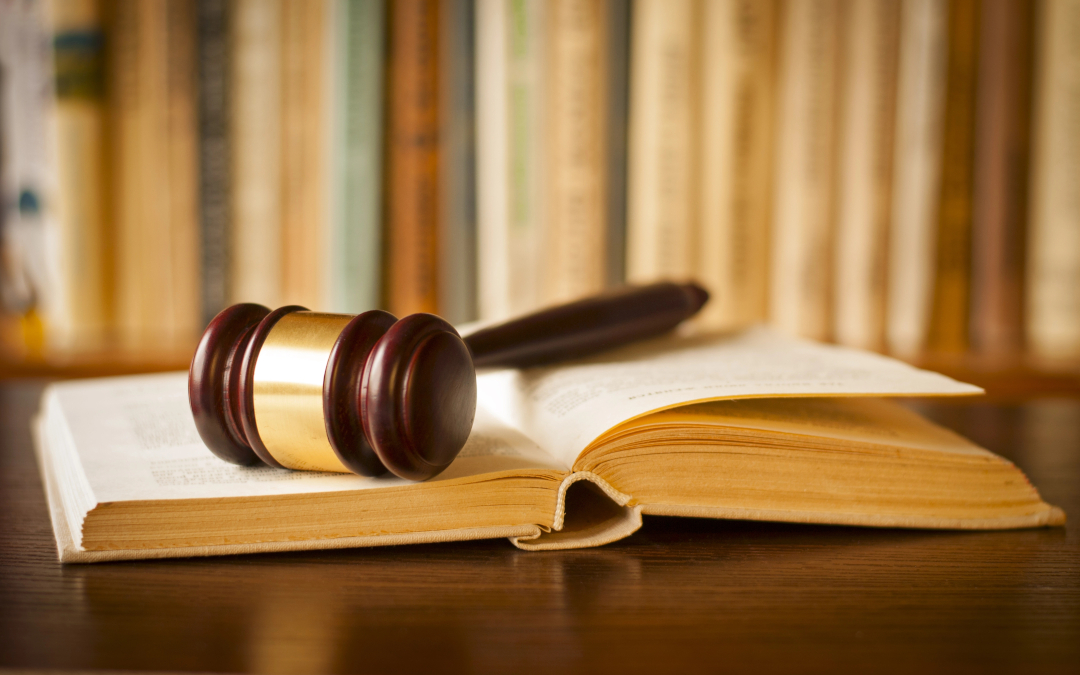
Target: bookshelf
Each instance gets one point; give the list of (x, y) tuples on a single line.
[(891, 175)]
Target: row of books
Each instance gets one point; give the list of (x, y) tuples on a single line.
[(890, 175), (899, 175)]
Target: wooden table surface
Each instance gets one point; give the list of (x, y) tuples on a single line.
[(680, 595)]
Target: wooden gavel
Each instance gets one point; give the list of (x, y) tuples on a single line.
[(369, 393)]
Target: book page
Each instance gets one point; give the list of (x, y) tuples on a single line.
[(565, 407), (869, 421), (136, 439)]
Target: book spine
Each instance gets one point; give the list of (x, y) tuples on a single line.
[(134, 135), (920, 108), (1053, 291), (868, 109), (182, 242), (457, 177), (738, 78), (15, 294), (78, 312), (303, 160), (492, 159), (803, 237), (151, 69), (1002, 128), (26, 172), (510, 138), (526, 140), (27, 177), (952, 277), (255, 130), (214, 178), (663, 161), (356, 236), (617, 116), (575, 184), (413, 157)]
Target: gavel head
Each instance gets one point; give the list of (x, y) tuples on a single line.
[(333, 392)]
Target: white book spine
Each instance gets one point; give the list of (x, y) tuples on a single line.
[(574, 121), (661, 198), (27, 175), (492, 159), (256, 132), (510, 154), (868, 108), (737, 84), (802, 238)]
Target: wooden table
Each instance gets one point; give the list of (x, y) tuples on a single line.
[(680, 595)]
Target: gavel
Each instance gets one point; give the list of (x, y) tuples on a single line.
[(369, 393)]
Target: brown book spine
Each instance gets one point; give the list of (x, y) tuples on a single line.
[(413, 157), (949, 314), (183, 242), (1002, 140)]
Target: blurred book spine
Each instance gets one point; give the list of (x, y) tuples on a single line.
[(27, 179), (78, 308), (616, 127), (575, 61), (1002, 166), (355, 254), (457, 238), (256, 151), (492, 160), (1053, 293), (214, 152), (739, 47), (304, 160), (413, 157), (920, 107), (153, 145), (952, 278), (804, 193), (663, 158), (510, 138), (870, 43)]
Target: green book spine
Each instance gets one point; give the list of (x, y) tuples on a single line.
[(213, 87), (457, 240), (618, 110), (356, 226)]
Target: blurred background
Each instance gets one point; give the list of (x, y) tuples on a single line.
[(896, 175)]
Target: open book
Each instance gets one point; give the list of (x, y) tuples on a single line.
[(749, 426)]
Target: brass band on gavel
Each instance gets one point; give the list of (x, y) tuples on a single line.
[(288, 391)]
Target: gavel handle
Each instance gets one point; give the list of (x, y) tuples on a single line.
[(586, 326)]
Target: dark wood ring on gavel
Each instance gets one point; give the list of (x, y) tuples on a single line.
[(370, 393)]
